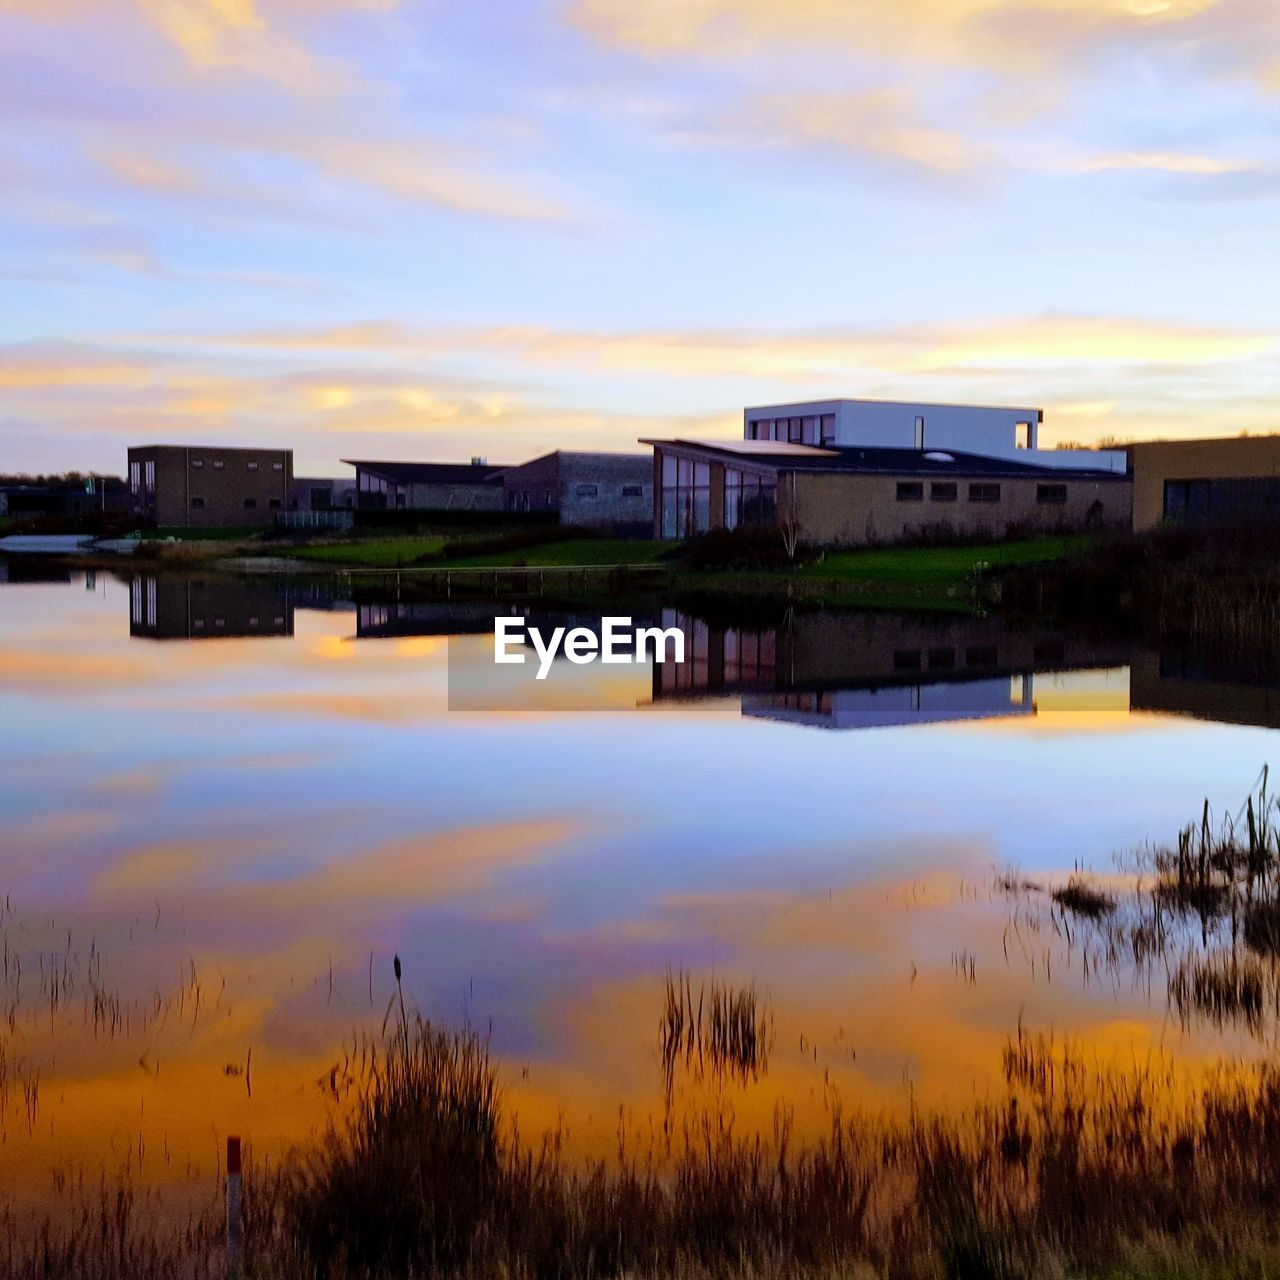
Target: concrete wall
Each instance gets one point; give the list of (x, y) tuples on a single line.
[(849, 510), (203, 487), (990, 430), (586, 488), (1162, 460)]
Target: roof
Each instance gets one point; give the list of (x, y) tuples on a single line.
[(763, 409), (432, 472), (875, 460)]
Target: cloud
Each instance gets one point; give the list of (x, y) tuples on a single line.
[(1165, 162), (882, 125)]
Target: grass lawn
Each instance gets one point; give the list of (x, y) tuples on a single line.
[(387, 553), (568, 551), (940, 566), (181, 533)]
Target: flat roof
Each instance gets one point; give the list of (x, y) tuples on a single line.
[(876, 460), (906, 404), (431, 472)]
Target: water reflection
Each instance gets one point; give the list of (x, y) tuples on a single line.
[(213, 850)]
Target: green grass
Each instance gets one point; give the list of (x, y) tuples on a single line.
[(939, 566), (182, 534), (388, 553), (571, 551)]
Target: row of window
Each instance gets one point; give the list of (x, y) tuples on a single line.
[(815, 429), (980, 491), (982, 655), (218, 465), (250, 504)]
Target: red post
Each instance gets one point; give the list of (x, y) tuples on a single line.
[(235, 1208)]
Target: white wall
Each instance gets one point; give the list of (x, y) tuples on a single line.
[(989, 430)]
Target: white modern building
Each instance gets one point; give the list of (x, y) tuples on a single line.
[(996, 431)]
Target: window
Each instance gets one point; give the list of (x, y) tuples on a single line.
[(250, 504), (218, 464), (587, 491), (197, 503), (984, 493), (795, 430), (274, 504), (906, 659), (277, 466), (982, 655), (149, 471), (919, 433), (910, 491), (135, 477), (197, 464), (943, 491), (253, 466), (633, 491), (1049, 651), (400, 499), (827, 428), (750, 499), (686, 497), (1056, 493), (1022, 435), (941, 659)]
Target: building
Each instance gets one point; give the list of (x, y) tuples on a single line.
[(62, 499), (859, 496), (168, 607), (428, 486), (606, 489), (322, 493), (208, 487), (1205, 481), (994, 430)]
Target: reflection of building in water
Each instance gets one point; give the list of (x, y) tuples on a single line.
[(168, 607), (1232, 689), (897, 704), (384, 620), (841, 670)]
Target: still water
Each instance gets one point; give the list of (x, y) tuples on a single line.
[(224, 808)]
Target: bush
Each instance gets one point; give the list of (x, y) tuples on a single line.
[(763, 548)]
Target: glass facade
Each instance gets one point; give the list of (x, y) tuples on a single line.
[(686, 497), (812, 429), (750, 500)]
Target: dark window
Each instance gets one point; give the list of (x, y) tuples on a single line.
[(686, 497), (1049, 651), (910, 491), (940, 659), (943, 491), (827, 427), (587, 490), (274, 504), (197, 502), (250, 504), (401, 500), (984, 493), (981, 655), (749, 499), (633, 491), (1051, 493), (906, 659)]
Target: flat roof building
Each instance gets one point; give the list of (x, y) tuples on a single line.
[(427, 486), (1199, 482), (586, 488), (999, 431), (857, 496), (207, 486)]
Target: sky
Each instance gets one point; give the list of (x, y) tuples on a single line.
[(436, 229)]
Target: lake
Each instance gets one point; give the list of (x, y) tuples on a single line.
[(226, 806)]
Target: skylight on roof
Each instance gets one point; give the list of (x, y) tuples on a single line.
[(935, 455)]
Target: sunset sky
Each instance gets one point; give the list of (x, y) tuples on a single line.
[(435, 228)]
